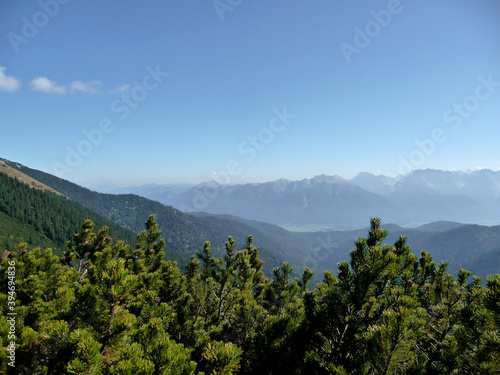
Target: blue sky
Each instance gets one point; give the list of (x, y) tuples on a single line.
[(184, 91)]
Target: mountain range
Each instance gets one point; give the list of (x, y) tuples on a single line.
[(185, 234), (474, 247), (420, 196)]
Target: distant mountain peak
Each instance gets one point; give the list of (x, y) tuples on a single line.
[(364, 174), (377, 184), (335, 179)]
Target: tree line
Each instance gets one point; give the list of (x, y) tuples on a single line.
[(104, 308)]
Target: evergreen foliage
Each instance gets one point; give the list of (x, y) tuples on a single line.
[(53, 217), (104, 308), (46, 219)]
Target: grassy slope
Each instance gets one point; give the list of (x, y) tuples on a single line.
[(18, 175)]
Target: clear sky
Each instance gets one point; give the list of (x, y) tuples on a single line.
[(132, 92)]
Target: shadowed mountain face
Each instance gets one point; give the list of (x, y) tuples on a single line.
[(331, 201), (322, 200)]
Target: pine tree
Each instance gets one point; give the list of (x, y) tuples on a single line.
[(100, 309)]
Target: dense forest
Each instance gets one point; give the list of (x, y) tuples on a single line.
[(56, 217), (104, 308)]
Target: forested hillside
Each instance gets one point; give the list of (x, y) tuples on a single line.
[(44, 218), (103, 308), (18, 175), (473, 247), (183, 233)]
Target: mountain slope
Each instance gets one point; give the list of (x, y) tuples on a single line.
[(13, 231), (329, 201), (183, 233), (476, 184), (325, 200), (44, 218), (14, 173), (473, 247), (161, 193), (421, 196), (382, 185)]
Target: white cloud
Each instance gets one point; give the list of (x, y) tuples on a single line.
[(121, 89), (8, 83), (46, 85), (90, 87)]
